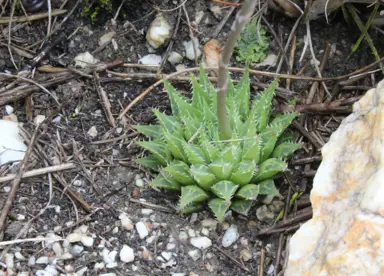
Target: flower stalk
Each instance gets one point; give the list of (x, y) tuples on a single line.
[(242, 18)]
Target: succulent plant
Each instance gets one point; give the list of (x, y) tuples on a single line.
[(187, 151)]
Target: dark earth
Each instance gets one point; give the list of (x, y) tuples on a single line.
[(107, 177)]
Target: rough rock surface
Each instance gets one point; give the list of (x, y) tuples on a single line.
[(346, 234)]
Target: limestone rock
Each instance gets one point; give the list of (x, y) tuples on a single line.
[(346, 234)]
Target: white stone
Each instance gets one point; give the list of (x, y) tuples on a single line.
[(9, 109), (109, 256), (146, 212), (150, 59), (20, 217), (230, 236), (42, 260), (177, 274), (51, 270), (12, 147), (81, 271), (209, 223), (139, 182), (345, 235), (74, 237), (76, 249), (205, 232), (159, 31), (190, 49), (92, 132), (174, 58), (108, 274), (201, 242), (99, 266), (9, 260), (126, 254), (19, 256), (142, 229), (105, 38), (56, 247), (32, 261), (166, 255), (191, 233), (85, 60), (194, 254), (39, 119), (11, 117), (87, 241), (126, 222)]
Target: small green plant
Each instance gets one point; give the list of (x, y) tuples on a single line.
[(190, 157), (93, 9), (252, 44)]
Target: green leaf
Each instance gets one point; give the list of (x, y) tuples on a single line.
[(203, 177), (249, 192), (231, 153), (151, 131), (269, 168), (268, 140), (191, 208), (175, 145), (194, 153), (286, 137), (172, 94), (192, 194), (267, 187), (161, 182), (282, 121), (221, 169), (191, 126), (243, 89), (209, 150), (244, 172), (179, 171), (150, 162), (169, 124), (158, 150), (241, 206), (251, 149), (207, 85), (200, 96), (284, 150), (219, 207), (224, 189)]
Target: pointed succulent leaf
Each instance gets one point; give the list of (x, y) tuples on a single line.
[(172, 93), (150, 162), (249, 192), (192, 208), (267, 187), (241, 206), (231, 153), (161, 182), (151, 131), (284, 150), (175, 145), (206, 84), (230, 96), (282, 121), (286, 137), (219, 207), (179, 171), (243, 94), (268, 140), (251, 149), (208, 148), (200, 94), (158, 150), (191, 126), (269, 168), (194, 153), (169, 124), (203, 177), (221, 169), (224, 189), (191, 194), (244, 172)]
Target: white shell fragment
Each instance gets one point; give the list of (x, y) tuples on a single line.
[(159, 31), (189, 49), (12, 147), (346, 234), (150, 59), (201, 242), (126, 254), (85, 60)]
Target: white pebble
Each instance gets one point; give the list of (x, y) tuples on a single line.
[(9, 261), (108, 274), (146, 212), (151, 59), (139, 182), (31, 261), (109, 256), (201, 242), (56, 247), (66, 256), (8, 109), (74, 237), (170, 246), (126, 254), (51, 270), (39, 119), (19, 256), (126, 222), (177, 274), (166, 255), (92, 132), (191, 233), (99, 266), (205, 232), (175, 58), (7, 189), (190, 48), (142, 229), (209, 223), (76, 249), (194, 254), (87, 241), (230, 236), (20, 217), (42, 260), (81, 271)]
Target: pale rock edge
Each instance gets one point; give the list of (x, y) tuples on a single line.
[(346, 234)]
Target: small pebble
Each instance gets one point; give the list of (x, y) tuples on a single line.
[(99, 266), (108, 274), (146, 212), (39, 119), (92, 132), (76, 249), (74, 237), (31, 261), (127, 254), (81, 271), (7, 189), (87, 241), (209, 223), (19, 256), (205, 232), (8, 109), (139, 182), (42, 260), (195, 254), (191, 233), (201, 242), (245, 255), (190, 49), (56, 247), (126, 222), (142, 229), (166, 255), (264, 214), (9, 260), (230, 236), (175, 58)]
